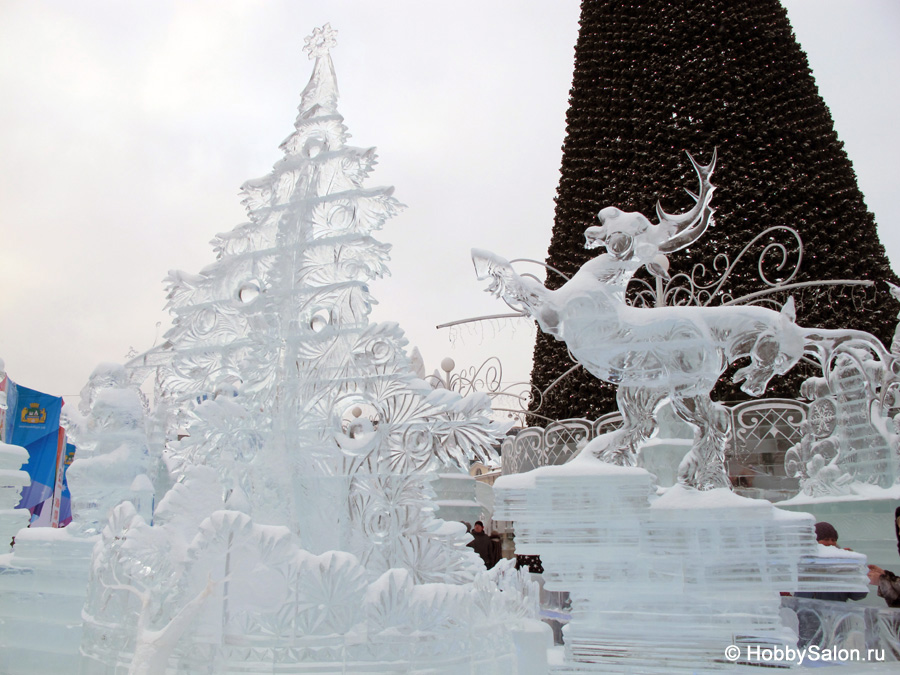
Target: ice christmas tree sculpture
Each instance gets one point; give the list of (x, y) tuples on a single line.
[(308, 405), (301, 527)]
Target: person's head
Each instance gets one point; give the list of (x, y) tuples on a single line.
[(478, 527), (826, 534)]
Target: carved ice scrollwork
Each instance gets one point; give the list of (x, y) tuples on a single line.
[(757, 420), (849, 435), (777, 265)]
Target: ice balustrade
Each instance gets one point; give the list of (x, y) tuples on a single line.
[(12, 480), (762, 433), (300, 533), (556, 443), (847, 626), (776, 448)]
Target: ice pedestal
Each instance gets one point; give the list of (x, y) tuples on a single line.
[(43, 585), (12, 480), (662, 454), (657, 584)]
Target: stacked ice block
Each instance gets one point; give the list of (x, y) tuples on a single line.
[(661, 583)]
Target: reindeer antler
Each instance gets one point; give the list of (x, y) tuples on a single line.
[(679, 231)]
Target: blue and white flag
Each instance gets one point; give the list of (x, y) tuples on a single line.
[(34, 425), (36, 415)]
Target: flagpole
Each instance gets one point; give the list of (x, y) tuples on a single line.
[(58, 484)]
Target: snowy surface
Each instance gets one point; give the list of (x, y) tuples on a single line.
[(585, 464), (679, 497), (857, 492), (13, 452)]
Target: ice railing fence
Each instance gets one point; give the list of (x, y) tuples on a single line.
[(847, 626), (763, 432)]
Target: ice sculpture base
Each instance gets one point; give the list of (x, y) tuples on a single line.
[(43, 585), (299, 612), (657, 584)]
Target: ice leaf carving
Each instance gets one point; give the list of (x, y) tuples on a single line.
[(388, 601), (332, 588)]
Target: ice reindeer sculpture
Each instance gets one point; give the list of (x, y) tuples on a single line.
[(689, 580), (655, 353)]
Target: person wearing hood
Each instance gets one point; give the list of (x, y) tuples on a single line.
[(827, 535), (482, 544)]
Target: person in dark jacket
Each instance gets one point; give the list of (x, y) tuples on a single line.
[(809, 622), (482, 544), (826, 535), (888, 583)]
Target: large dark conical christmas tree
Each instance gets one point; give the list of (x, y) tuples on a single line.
[(654, 78)]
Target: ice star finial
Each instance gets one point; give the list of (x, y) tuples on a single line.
[(320, 42)]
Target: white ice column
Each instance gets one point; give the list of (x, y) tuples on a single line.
[(43, 585), (12, 480)]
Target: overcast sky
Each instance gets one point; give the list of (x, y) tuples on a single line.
[(127, 127)]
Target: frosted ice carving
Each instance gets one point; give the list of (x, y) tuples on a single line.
[(248, 598), (113, 462), (305, 405), (849, 436), (654, 353), (301, 525)]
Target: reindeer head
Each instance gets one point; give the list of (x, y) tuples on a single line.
[(631, 236), (776, 350)]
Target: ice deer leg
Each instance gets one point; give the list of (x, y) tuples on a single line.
[(703, 467), (638, 406)]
